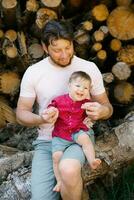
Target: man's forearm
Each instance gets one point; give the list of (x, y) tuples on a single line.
[(27, 118), (107, 111)]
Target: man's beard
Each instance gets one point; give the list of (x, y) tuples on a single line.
[(60, 65)]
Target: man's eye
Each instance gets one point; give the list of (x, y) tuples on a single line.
[(77, 85), (57, 51)]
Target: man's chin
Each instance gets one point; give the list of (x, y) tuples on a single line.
[(63, 63)]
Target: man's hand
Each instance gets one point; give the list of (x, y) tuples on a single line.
[(50, 115), (94, 110)]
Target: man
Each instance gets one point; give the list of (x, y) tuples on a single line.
[(41, 83)]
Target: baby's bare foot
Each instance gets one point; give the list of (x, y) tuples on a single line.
[(95, 163), (57, 187)]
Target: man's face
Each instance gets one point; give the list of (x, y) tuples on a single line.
[(61, 52)]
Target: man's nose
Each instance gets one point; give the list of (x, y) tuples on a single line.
[(63, 54)]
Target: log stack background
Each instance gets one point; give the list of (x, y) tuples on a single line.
[(103, 33)]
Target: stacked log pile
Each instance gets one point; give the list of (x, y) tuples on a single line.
[(103, 33)]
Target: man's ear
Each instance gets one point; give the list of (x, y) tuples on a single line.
[(44, 47)]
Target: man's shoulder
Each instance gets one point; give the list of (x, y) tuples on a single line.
[(38, 65), (82, 63)]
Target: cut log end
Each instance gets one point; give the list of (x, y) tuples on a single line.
[(121, 71), (11, 52), (50, 3), (36, 51), (100, 12), (123, 2), (98, 36), (8, 4), (102, 55), (126, 54), (115, 45), (124, 92), (9, 83), (44, 15), (32, 5), (96, 47), (11, 35), (87, 25), (121, 23)]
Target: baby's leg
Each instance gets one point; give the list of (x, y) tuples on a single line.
[(88, 149), (56, 159)]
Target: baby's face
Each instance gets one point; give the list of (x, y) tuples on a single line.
[(79, 89)]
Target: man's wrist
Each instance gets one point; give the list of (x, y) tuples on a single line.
[(41, 119)]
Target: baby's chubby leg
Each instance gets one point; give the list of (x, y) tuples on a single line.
[(88, 149), (56, 159)]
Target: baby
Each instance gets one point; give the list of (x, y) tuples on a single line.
[(70, 126)]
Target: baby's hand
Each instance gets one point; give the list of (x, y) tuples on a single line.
[(50, 115), (88, 122)]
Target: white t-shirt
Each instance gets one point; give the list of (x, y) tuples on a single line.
[(46, 80)]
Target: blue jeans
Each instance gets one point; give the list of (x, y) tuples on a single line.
[(43, 180)]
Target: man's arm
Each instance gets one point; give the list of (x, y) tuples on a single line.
[(100, 108), (24, 113)]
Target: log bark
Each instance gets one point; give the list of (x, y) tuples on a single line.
[(29, 14), (7, 115), (9, 12), (116, 149)]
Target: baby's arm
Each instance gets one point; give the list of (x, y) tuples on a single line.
[(88, 121)]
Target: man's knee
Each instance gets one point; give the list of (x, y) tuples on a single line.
[(70, 171)]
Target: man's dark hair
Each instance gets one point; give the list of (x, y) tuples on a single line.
[(79, 74), (54, 30)]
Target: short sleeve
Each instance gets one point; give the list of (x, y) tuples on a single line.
[(97, 82), (27, 88)]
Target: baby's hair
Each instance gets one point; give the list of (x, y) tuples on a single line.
[(79, 74)]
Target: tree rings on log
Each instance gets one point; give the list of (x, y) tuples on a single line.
[(124, 92), (126, 54), (100, 12), (9, 83), (121, 71), (121, 23)]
